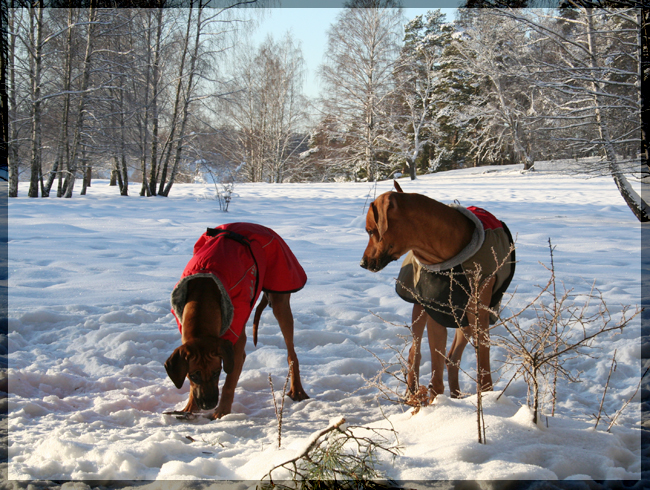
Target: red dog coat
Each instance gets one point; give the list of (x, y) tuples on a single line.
[(244, 259)]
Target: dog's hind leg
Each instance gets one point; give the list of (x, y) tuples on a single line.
[(483, 337), (280, 303), (461, 340), (464, 335)]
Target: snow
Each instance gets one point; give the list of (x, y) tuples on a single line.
[(90, 329)]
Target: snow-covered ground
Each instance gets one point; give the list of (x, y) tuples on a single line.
[(90, 328)]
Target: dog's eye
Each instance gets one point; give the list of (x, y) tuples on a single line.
[(215, 375), (370, 233), (196, 377)]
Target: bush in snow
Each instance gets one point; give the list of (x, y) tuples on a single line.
[(564, 325)]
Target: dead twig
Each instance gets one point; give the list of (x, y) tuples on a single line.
[(612, 368), (613, 421), (280, 411)]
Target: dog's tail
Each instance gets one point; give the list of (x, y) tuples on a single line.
[(258, 313)]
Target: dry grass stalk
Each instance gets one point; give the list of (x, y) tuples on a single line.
[(279, 411), (602, 400)]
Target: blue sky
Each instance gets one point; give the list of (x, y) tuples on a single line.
[(309, 26)]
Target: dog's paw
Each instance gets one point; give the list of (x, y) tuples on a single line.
[(218, 413), (297, 395)]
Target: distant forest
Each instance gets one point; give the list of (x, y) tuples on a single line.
[(148, 97)]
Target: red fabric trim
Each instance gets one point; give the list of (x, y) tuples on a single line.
[(490, 222)]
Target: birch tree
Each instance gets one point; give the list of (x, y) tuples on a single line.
[(80, 114), (36, 28), (152, 25), (40, 65), (269, 111), (495, 52), (195, 47), (362, 49), (594, 84), (153, 91), (4, 94), (62, 146), (13, 155)]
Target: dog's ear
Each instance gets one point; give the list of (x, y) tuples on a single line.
[(397, 186), (177, 366), (227, 353), (381, 213), (375, 212)]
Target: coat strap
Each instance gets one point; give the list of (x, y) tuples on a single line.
[(216, 232)]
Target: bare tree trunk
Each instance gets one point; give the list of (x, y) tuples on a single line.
[(124, 181), (186, 103), (144, 124), (634, 201), (412, 161), (4, 91), (116, 173), (151, 187), (643, 37), (36, 34), (179, 90), (76, 144), (13, 146), (84, 172), (63, 142)]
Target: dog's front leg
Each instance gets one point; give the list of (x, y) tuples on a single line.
[(282, 311), (419, 322), (437, 335), (453, 361), (191, 406), (228, 390)]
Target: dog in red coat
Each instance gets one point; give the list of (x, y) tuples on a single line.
[(231, 266)]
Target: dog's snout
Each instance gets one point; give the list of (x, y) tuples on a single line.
[(364, 263), (208, 404)]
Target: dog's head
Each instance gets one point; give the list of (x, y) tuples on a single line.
[(385, 241), (201, 362)]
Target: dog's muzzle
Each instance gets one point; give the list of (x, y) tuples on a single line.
[(206, 399), (375, 265)]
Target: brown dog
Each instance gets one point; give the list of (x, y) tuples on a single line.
[(440, 239), (231, 266)]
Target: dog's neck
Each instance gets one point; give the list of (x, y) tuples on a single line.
[(442, 231), (202, 311)]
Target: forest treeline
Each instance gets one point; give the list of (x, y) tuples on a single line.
[(151, 97)]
